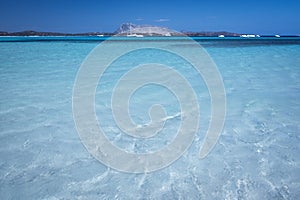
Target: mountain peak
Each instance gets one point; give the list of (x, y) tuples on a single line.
[(148, 30), (126, 27)]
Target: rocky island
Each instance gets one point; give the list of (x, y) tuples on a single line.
[(127, 29)]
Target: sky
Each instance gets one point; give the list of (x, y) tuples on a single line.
[(77, 16)]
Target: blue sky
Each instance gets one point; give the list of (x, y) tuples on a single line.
[(244, 16)]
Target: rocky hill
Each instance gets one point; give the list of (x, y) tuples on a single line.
[(146, 30)]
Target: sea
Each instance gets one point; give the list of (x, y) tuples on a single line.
[(257, 154)]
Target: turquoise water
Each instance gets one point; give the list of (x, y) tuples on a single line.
[(256, 157)]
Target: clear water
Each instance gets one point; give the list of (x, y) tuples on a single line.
[(256, 157)]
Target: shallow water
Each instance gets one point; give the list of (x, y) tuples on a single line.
[(256, 157)]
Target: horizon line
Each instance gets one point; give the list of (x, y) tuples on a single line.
[(2, 32)]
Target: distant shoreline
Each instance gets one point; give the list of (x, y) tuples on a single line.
[(103, 34)]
